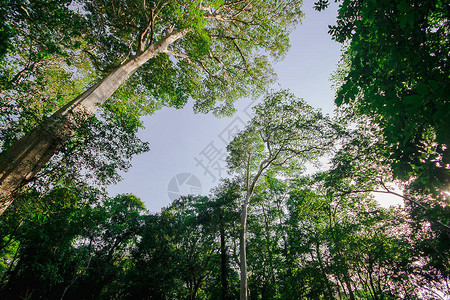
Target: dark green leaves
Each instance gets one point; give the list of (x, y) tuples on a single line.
[(397, 75)]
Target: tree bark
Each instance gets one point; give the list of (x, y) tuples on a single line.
[(322, 269), (243, 251), (223, 258), (25, 158)]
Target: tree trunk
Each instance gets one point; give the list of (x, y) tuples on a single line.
[(322, 267), (349, 286), (223, 258), (25, 158), (243, 251), (20, 163)]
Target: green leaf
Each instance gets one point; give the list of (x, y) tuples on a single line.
[(414, 100), (403, 6), (422, 88)]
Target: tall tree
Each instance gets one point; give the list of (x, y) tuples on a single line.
[(209, 51), (361, 165), (395, 76), (177, 253), (42, 231), (396, 72), (284, 134), (347, 244), (223, 211), (118, 229), (267, 240)]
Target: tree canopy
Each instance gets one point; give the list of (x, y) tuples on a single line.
[(213, 52), (284, 134), (395, 71), (270, 230)]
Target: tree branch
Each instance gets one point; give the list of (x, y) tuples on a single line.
[(209, 73), (398, 195), (233, 3), (176, 54), (242, 56), (218, 36), (95, 61), (241, 10), (214, 57)]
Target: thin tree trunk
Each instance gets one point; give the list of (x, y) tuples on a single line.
[(322, 269), (244, 292), (76, 276), (25, 158), (243, 252), (349, 286), (223, 258), (271, 276)]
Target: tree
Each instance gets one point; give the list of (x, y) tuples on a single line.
[(116, 233), (207, 51), (395, 72), (284, 134), (266, 245), (360, 166), (394, 76), (42, 66), (69, 242), (178, 252), (42, 231), (222, 211)]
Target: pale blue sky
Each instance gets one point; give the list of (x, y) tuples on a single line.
[(179, 138)]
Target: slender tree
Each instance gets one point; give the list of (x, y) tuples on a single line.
[(225, 213), (284, 133)]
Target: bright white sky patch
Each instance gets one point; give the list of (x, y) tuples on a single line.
[(387, 200)]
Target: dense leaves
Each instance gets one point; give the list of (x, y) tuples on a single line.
[(305, 240), (396, 72), (213, 52), (293, 236), (284, 134), (219, 60)]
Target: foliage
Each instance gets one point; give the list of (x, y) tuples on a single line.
[(284, 134), (219, 60), (66, 242), (361, 166), (101, 148), (396, 73), (309, 237), (43, 229), (178, 254), (394, 77), (306, 239), (211, 52)]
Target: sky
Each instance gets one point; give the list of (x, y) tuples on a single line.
[(187, 150)]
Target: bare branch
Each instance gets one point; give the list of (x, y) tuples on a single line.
[(233, 3), (152, 30), (129, 52), (387, 191), (217, 36), (229, 19), (143, 36), (176, 54), (94, 59), (224, 66), (209, 73)]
